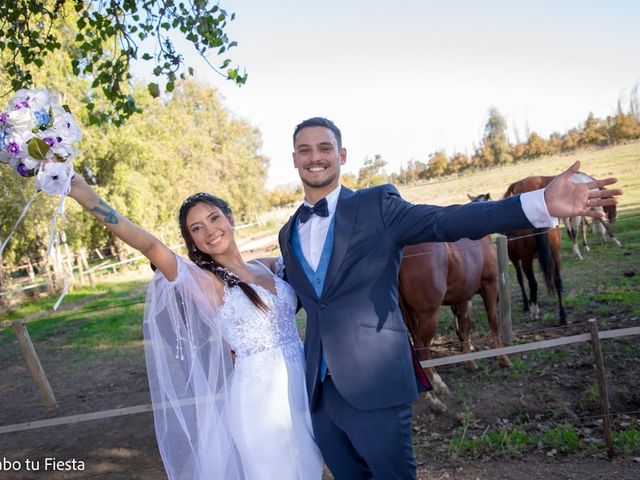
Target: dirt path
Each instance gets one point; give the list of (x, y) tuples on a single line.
[(540, 393)]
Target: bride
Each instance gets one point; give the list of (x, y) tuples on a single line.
[(224, 359)]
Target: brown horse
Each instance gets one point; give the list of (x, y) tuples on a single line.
[(434, 274), (544, 243)]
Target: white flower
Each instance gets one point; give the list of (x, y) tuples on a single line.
[(65, 126), (53, 178), (21, 121), (35, 99)]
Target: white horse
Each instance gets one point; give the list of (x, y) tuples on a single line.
[(601, 229)]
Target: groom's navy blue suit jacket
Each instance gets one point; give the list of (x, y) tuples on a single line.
[(356, 320)]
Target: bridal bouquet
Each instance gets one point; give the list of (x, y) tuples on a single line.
[(37, 137)]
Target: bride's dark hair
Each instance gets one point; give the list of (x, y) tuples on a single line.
[(203, 260)]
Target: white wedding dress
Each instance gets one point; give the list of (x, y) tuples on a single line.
[(269, 412), (216, 419)]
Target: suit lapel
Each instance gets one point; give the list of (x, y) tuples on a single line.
[(345, 222), (295, 271)]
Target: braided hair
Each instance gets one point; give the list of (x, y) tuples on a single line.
[(203, 260)]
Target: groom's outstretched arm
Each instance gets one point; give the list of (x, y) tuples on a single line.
[(410, 224)]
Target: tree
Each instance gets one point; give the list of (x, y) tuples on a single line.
[(438, 164), (349, 180), (571, 140), (283, 196), (459, 162), (555, 142), (372, 172), (536, 146), (594, 131), (634, 101), (412, 172), (106, 36), (495, 138), (624, 127)]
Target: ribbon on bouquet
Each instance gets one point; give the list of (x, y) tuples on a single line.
[(13, 230), (55, 181)]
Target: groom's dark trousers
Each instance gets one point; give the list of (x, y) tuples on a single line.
[(361, 410)]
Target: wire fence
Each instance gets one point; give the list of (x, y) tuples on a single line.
[(521, 336)]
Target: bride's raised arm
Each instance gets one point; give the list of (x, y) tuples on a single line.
[(127, 231)]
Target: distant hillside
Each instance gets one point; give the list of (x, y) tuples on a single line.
[(621, 161)]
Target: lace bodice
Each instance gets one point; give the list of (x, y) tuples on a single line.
[(251, 332)]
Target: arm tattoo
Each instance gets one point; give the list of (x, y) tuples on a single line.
[(109, 214)]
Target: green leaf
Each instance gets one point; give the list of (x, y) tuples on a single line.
[(170, 86), (154, 90), (38, 149)]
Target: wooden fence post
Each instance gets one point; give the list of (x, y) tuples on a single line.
[(85, 263), (30, 271), (80, 269), (602, 384), (503, 290), (30, 355)]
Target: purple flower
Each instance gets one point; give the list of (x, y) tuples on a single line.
[(59, 139), (4, 116), (24, 171), (49, 141), (22, 104), (13, 149)]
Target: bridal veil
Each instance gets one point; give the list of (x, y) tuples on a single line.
[(189, 367)]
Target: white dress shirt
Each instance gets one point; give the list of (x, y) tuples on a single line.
[(313, 232)]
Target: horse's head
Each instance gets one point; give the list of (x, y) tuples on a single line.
[(483, 197)]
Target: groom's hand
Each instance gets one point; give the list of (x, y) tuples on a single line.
[(567, 199)]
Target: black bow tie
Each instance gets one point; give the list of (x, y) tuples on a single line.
[(320, 208)]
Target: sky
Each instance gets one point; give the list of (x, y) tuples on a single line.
[(404, 79)]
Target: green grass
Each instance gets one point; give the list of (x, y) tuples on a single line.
[(564, 439), (627, 441), (90, 320), (516, 441)]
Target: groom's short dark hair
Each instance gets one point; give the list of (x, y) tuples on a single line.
[(319, 122)]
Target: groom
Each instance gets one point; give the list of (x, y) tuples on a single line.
[(342, 252)]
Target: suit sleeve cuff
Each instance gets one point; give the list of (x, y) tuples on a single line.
[(535, 209)]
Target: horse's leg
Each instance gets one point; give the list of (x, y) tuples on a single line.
[(574, 223), (525, 299), (555, 252), (426, 323), (584, 227), (610, 234), (527, 267), (489, 293), (599, 230), (462, 312)]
